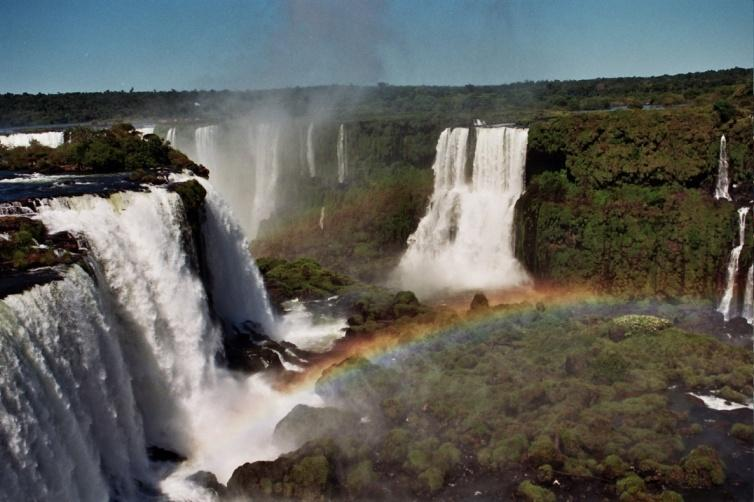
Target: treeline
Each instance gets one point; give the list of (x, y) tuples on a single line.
[(383, 100), (117, 149)]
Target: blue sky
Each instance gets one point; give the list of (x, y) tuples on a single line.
[(86, 45)]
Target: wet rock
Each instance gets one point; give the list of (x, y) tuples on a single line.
[(208, 481), (158, 454), (479, 302)]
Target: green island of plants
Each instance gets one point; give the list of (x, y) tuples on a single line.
[(526, 403)]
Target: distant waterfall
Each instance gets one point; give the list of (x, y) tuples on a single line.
[(170, 137), (53, 139), (205, 139), (310, 162), (748, 310), (727, 305), (342, 151), (265, 144), (94, 371), (322, 218), (723, 181), (465, 241), (245, 166)]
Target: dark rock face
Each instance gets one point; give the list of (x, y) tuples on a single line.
[(247, 349), (479, 302), (208, 481), (157, 454)]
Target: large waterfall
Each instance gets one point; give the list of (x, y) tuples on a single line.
[(53, 139), (465, 241), (95, 369), (723, 181), (728, 306), (342, 153)]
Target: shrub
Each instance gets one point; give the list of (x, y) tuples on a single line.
[(703, 468), (533, 493), (743, 432)]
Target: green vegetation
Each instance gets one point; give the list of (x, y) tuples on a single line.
[(644, 240), (489, 101), (368, 307), (118, 149), (25, 244), (365, 227), (744, 432), (535, 394)]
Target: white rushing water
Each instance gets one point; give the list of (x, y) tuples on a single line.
[(315, 333), (723, 181), (728, 307), (342, 154), (465, 240), (310, 162), (145, 130), (52, 139), (94, 371), (245, 167), (170, 137), (748, 309)]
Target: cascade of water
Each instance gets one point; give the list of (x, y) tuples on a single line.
[(342, 152), (247, 174), (727, 305), (237, 287), (170, 137), (723, 181), (322, 218), (70, 428), (310, 150), (53, 139), (205, 146), (465, 241), (92, 372), (748, 310)]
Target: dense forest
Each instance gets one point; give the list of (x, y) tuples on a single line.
[(491, 102)]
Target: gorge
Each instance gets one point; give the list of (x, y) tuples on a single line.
[(528, 304)]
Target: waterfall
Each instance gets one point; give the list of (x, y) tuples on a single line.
[(70, 428), (748, 310), (342, 151), (723, 181), (265, 143), (727, 305), (53, 139), (237, 287), (205, 146), (170, 137), (92, 371), (310, 150), (465, 240), (245, 167), (322, 218)]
